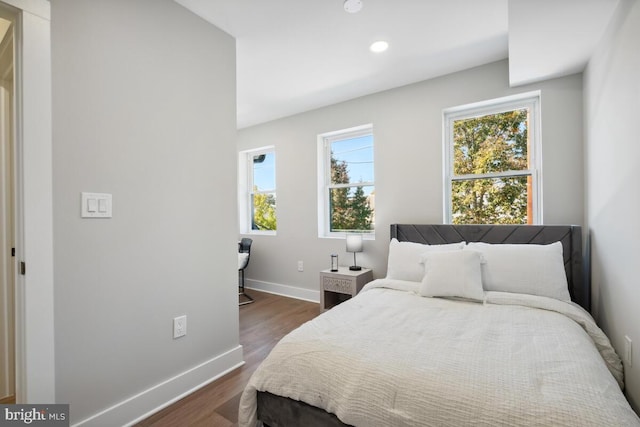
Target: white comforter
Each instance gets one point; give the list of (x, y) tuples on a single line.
[(392, 358)]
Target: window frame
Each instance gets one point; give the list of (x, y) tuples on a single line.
[(529, 100), (245, 189), (324, 179)]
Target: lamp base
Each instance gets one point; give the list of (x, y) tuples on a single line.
[(355, 268)]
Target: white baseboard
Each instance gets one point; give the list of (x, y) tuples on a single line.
[(152, 400), (284, 290)]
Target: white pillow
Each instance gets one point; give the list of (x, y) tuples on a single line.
[(405, 258), (452, 274), (525, 269)]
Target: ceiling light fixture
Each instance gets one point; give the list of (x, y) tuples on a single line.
[(352, 6), (379, 46)]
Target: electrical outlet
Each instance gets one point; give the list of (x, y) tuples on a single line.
[(300, 266), (179, 326), (627, 351)]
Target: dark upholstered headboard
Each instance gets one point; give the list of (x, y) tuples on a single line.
[(569, 235)]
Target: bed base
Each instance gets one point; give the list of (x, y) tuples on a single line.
[(277, 411)]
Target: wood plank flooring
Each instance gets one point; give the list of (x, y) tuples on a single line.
[(262, 324)]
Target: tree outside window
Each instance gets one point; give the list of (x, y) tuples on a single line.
[(491, 166), (349, 190), (263, 195), (257, 191), (264, 212)]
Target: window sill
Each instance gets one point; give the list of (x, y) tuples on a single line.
[(342, 236), (259, 233)]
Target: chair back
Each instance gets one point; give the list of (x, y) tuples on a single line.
[(244, 252), (245, 245)]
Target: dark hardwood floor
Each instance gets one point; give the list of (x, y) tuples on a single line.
[(262, 324)]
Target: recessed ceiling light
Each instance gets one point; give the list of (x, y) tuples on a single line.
[(352, 6), (379, 46)]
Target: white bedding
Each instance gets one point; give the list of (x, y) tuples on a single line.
[(389, 357)]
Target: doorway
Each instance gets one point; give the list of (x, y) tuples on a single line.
[(33, 317), (7, 209)]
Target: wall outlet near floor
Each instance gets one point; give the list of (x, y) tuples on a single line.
[(179, 326), (300, 266), (627, 351)]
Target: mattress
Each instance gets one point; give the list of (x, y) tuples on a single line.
[(389, 357)]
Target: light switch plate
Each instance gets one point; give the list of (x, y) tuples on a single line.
[(96, 205)]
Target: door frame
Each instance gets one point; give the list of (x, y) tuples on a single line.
[(34, 316), (7, 209)]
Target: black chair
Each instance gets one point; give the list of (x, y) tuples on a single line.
[(244, 253)]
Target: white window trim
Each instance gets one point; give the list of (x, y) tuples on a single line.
[(324, 178), (245, 190), (530, 100)]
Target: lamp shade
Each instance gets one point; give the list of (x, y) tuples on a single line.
[(354, 242)]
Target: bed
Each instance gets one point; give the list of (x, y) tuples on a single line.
[(425, 346)]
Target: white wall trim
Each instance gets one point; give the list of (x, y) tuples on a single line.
[(152, 400), (284, 290)]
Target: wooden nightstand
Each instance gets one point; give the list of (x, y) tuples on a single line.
[(339, 286)]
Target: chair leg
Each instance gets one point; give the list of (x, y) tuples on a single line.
[(242, 292)]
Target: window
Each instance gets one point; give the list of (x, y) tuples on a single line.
[(257, 192), (346, 189), (492, 162)]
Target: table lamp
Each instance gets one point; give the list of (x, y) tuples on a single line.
[(354, 244)]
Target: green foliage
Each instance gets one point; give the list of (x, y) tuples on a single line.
[(490, 144), (339, 196), (264, 212), (349, 212), (360, 211)]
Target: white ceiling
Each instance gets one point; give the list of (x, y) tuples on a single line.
[(298, 55), (552, 38)]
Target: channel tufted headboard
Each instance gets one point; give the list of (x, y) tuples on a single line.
[(569, 235)]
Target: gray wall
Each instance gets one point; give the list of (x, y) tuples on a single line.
[(407, 126), (144, 108), (612, 103)]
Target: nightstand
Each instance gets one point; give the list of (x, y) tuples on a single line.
[(339, 286)]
